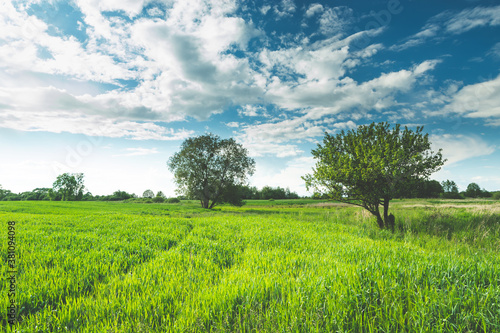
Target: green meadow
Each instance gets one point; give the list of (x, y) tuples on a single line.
[(269, 266)]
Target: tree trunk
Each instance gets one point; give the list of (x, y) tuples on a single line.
[(386, 209), (204, 203), (388, 218), (380, 221)]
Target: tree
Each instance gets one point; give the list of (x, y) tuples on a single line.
[(69, 186), (449, 186), (473, 191), (366, 166), (420, 188), (148, 194), (450, 189), (431, 189), (207, 167)]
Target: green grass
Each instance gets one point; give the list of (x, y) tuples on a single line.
[(282, 266)]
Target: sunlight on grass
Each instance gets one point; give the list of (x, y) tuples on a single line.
[(117, 267)]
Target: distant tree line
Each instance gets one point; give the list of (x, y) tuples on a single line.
[(69, 187), (266, 193), (428, 189)]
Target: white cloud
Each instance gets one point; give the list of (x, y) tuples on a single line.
[(265, 9), (332, 96), (252, 111), (430, 30), (258, 149), (180, 64), (457, 148), (335, 20), (480, 100), (426, 66), (471, 18), (139, 151), (233, 124), (495, 51), (278, 138), (184, 68), (25, 35), (449, 22), (155, 11), (285, 8), (94, 125), (314, 9), (290, 176)]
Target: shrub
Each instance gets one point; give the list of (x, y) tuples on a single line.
[(158, 200), (173, 200)]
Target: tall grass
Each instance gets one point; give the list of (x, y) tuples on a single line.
[(93, 267)]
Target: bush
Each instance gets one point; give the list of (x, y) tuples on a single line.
[(158, 200), (451, 195), (496, 195), (172, 200)]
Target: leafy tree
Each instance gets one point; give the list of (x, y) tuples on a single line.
[(119, 195), (450, 190), (160, 194), (69, 186), (54, 195), (8, 195), (158, 199), (207, 167), (88, 196), (473, 191), (431, 189), (148, 194), (367, 165), (248, 192), (449, 186), (41, 193), (420, 188)]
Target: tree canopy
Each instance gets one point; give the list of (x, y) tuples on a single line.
[(148, 194), (209, 168), (473, 190), (368, 165), (68, 187), (450, 189)]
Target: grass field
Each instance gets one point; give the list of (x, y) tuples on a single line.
[(270, 266)]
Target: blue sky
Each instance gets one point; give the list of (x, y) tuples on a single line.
[(111, 88)]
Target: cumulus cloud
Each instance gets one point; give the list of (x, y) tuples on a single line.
[(314, 9), (480, 100), (191, 62), (252, 111), (179, 64), (59, 120), (286, 8)]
